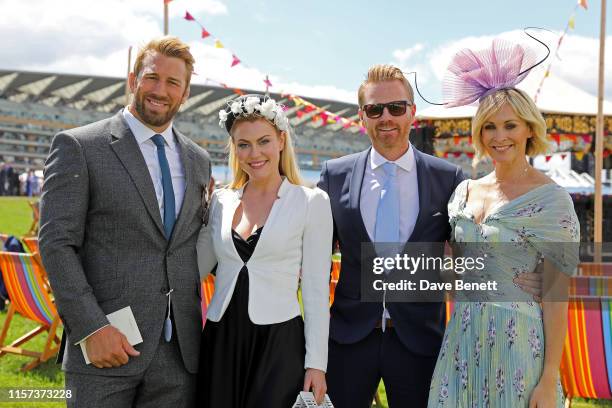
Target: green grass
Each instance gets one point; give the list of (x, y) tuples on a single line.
[(15, 219)]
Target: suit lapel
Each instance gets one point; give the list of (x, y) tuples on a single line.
[(126, 148), (424, 185), (191, 198), (355, 193)]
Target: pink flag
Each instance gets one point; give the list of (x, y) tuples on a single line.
[(267, 82), (235, 60), (167, 1), (205, 33), (188, 17), (583, 4)]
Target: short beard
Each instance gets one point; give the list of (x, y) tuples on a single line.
[(156, 120)]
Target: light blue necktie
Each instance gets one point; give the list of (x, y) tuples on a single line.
[(169, 205), (169, 213), (387, 213), (387, 222)]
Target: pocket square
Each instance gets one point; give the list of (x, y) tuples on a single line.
[(436, 214)]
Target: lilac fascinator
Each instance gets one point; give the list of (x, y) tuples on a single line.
[(472, 75)]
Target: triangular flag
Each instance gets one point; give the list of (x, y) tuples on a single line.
[(587, 138), (218, 44), (579, 155), (457, 154), (572, 22), (362, 130), (235, 60), (445, 154), (238, 91), (456, 139), (324, 118), (470, 155), (189, 17), (205, 33), (267, 82), (548, 157), (299, 113), (606, 153), (167, 1), (583, 4), (556, 138), (563, 156)]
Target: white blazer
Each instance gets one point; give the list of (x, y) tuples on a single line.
[(297, 237)]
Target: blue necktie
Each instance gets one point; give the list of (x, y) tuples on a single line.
[(387, 213), (387, 223), (169, 205)]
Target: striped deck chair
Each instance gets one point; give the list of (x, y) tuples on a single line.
[(31, 244), (31, 297), (586, 366)]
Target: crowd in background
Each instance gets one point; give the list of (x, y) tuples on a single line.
[(16, 183)]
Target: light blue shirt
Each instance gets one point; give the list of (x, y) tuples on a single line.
[(143, 135)]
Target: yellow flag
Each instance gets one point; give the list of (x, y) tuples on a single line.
[(572, 23), (218, 44), (579, 155)]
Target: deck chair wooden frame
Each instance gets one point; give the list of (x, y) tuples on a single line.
[(33, 231), (30, 296)]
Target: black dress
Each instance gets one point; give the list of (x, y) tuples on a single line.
[(245, 365)]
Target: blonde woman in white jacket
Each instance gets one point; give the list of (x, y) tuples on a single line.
[(268, 235)]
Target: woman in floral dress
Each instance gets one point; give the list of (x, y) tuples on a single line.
[(507, 354)]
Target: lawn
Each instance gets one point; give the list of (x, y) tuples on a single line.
[(15, 219)]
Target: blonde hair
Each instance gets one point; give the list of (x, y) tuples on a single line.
[(381, 73), (287, 164), (524, 107), (169, 47)]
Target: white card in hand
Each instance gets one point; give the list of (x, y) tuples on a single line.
[(307, 400), (124, 321)]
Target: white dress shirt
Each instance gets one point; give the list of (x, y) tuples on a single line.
[(143, 136), (373, 181)]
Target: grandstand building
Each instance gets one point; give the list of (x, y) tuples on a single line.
[(35, 105)]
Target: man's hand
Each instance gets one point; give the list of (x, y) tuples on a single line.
[(108, 347), (530, 282), (315, 380)]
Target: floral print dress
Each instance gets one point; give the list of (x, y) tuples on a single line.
[(492, 353)]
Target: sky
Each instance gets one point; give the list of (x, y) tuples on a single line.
[(319, 49)]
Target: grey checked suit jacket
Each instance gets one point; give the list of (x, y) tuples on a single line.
[(102, 241)]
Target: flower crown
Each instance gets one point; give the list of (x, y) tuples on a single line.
[(254, 105)]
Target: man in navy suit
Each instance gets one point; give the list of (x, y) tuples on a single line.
[(398, 342)]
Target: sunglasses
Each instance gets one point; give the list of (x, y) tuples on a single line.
[(375, 110)]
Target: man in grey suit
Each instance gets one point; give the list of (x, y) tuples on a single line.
[(120, 215)]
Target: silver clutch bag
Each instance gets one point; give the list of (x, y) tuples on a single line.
[(307, 400)]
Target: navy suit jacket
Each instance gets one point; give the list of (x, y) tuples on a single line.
[(420, 326)]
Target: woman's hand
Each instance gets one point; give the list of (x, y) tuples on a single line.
[(315, 380), (544, 395)]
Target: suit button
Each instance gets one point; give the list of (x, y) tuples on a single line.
[(164, 290)]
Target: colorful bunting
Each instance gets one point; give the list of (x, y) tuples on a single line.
[(583, 4), (235, 60), (572, 23), (167, 1), (267, 82), (218, 44), (205, 33), (188, 17), (579, 156)]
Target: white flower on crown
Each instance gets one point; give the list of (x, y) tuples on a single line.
[(236, 107), (222, 117), (268, 109), (251, 104)]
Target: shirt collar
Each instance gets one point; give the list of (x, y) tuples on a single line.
[(142, 133), (406, 161)]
